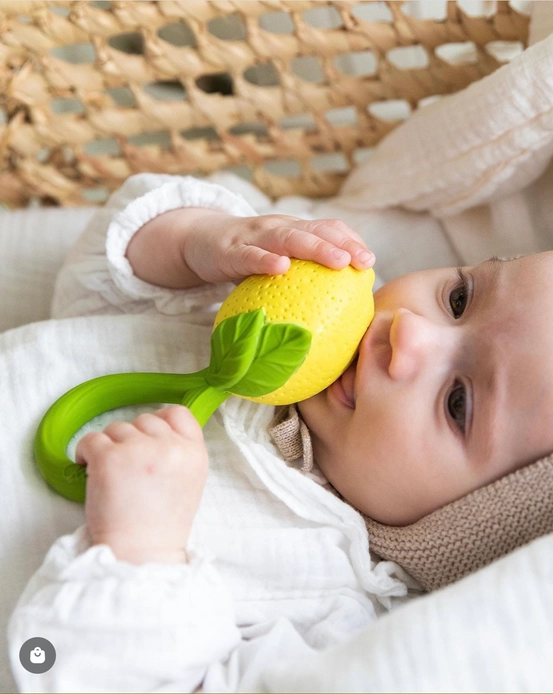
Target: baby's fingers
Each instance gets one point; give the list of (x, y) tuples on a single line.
[(327, 241), (343, 239), (91, 446)]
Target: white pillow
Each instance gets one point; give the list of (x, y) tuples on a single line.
[(486, 141), (491, 632)]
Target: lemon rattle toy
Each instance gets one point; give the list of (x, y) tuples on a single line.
[(277, 339)]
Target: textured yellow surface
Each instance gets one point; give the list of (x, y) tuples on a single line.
[(335, 305)]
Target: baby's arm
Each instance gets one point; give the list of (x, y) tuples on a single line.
[(148, 214), (126, 603), (122, 627), (187, 247)]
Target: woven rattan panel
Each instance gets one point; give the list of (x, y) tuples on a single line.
[(92, 92)]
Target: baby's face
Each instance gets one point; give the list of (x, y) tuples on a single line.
[(453, 388)]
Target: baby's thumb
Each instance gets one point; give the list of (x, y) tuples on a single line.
[(252, 260)]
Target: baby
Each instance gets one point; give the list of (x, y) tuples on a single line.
[(433, 382), (435, 407)]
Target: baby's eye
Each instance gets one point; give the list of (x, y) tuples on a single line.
[(457, 405), (458, 297)]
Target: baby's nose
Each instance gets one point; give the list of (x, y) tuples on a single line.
[(417, 342)]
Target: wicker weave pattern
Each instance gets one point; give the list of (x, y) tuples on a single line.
[(153, 88)]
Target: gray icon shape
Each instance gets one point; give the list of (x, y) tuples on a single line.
[(37, 655)]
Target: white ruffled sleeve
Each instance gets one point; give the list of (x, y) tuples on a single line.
[(97, 278), (121, 627)]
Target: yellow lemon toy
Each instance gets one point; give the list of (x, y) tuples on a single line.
[(335, 306)]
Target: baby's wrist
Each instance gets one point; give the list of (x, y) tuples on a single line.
[(148, 555), (156, 252)]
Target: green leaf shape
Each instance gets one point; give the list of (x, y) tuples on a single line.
[(233, 347), (281, 350)]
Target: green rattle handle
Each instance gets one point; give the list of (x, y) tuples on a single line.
[(90, 399)]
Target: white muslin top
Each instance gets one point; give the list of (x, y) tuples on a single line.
[(279, 565)]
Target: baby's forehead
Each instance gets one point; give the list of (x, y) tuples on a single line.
[(523, 355)]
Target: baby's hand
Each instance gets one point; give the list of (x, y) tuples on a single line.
[(219, 247), (145, 481)]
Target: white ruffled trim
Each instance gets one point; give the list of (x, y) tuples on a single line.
[(74, 557), (83, 583), (181, 192)]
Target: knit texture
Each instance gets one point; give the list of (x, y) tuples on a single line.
[(473, 531), (462, 536), (291, 436)]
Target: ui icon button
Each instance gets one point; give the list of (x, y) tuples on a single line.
[(37, 655)]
